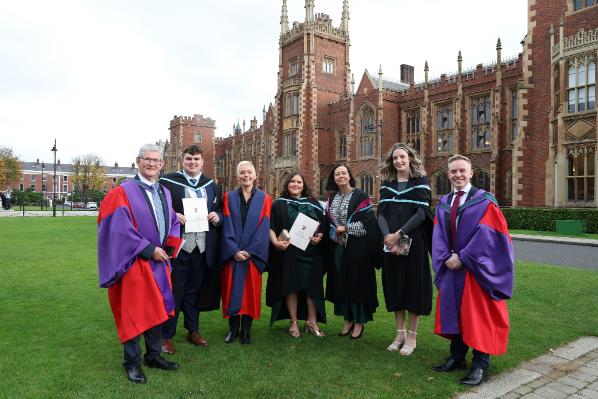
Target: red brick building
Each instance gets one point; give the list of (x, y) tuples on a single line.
[(528, 123)]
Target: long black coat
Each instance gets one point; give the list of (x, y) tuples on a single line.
[(357, 278), (175, 182)]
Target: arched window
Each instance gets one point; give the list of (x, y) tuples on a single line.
[(444, 128), (367, 132), (413, 129), (481, 179), (509, 185), (197, 137), (341, 152), (480, 123), (442, 184), (366, 183), (581, 173)]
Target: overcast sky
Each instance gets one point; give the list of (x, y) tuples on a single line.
[(105, 76)]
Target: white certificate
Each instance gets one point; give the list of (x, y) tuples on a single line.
[(302, 230), (196, 214)]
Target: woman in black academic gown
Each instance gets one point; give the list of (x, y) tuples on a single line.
[(295, 290), (404, 210), (351, 282)]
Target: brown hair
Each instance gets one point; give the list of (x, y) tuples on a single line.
[(285, 188), (192, 149), (416, 166)]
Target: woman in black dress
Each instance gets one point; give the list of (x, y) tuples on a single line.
[(404, 210), (351, 282), (295, 276)]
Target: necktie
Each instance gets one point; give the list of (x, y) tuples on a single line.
[(159, 212), (453, 218), (193, 181)]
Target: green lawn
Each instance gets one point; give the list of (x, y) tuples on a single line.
[(58, 340)]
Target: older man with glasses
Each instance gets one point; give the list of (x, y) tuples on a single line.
[(135, 225)]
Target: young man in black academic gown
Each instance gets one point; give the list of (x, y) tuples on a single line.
[(195, 274)]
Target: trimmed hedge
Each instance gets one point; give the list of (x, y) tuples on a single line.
[(543, 219)]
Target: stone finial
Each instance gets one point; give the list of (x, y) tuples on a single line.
[(498, 54), (551, 30), (284, 19), (426, 69), (459, 63), (562, 23), (345, 17), (309, 11)]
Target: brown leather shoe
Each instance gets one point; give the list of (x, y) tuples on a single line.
[(167, 346), (197, 339)]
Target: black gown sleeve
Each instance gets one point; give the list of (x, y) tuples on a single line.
[(383, 224), (414, 221)]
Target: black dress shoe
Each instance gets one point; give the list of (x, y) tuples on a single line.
[(450, 364), (245, 338), (342, 334), (475, 377), (231, 336), (135, 374), (161, 363)]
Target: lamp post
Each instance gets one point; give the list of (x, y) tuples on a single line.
[(43, 186), (54, 150)]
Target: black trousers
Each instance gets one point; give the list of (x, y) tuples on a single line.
[(188, 273), (480, 360), (132, 348)]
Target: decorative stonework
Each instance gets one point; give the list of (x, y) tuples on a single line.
[(581, 129), (582, 41), (577, 150)]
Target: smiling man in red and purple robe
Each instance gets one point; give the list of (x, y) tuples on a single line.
[(473, 259), (134, 223)]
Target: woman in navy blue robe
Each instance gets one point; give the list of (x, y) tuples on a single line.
[(244, 252)]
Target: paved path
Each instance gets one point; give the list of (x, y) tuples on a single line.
[(564, 253), (570, 371)]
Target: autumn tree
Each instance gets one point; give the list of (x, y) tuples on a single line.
[(88, 174), (10, 168)]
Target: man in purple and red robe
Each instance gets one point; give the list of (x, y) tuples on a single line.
[(473, 259), (134, 222)]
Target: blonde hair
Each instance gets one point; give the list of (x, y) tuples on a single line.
[(416, 166), (243, 163), (459, 157)]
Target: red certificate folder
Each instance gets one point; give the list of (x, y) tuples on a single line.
[(173, 246)]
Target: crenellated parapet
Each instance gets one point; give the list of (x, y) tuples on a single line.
[(580, 42), (195, 120), (322, 26)]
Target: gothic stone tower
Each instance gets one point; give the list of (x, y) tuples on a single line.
[(313, 71)]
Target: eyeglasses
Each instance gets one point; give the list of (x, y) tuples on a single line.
[(151, 160)]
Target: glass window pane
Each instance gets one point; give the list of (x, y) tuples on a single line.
[(578, 4), (580, 169), (580, 190), (591, 193), (571, 81), (581, 99), (571, 166), (591, 97), (571, 100), (592, 73), (570, 190), (581, 75), (590, 2), (590, 169)]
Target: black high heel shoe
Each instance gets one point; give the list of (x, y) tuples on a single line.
[(360, 333), (342, 334)]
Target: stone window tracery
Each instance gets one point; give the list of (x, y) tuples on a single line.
[(289, 143), (367, 132), (442, 185), (581, 84), (413, 129), (581, 172), (341, 152), (480, 123), (366, 183), (481, 179), (444, 128)]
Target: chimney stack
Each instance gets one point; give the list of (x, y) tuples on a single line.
[(407, 74)]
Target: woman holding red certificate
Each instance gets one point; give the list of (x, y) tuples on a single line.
[(295, 290), (351, 282), (244, 252)]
